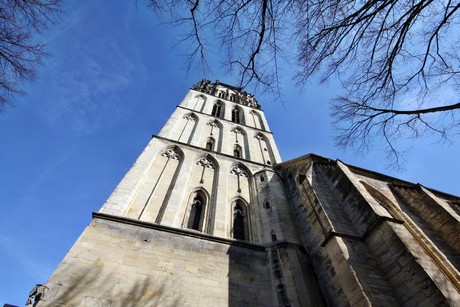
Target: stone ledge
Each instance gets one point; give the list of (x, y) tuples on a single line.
[(184, 232), (369, 230)]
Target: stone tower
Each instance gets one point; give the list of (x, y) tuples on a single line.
[(200, 219), (209, 216)]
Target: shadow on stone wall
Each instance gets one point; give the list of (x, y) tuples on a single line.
[(249, 280), (108, 292)]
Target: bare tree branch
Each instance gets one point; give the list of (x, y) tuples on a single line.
[(397, 59), (20, 22)]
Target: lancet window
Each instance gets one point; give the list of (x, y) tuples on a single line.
[(240, 222), (210, 144), (237, 115), (197, 208), (257, 119), (237, 151), (217, 109)]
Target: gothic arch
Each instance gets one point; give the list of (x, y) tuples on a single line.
[(237, 151), (266, 152), (181, 156), (210, 144), (211, 160), (244, 143), (158, 183), (218, 109), (190, 122), (203, 176), (198, 102), (257, 120), (243, 178), (242, 167), (240, 220), (238, 115), (216, 131), (196, 211)]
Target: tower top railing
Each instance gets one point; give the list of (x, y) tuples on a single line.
[(228, 92)]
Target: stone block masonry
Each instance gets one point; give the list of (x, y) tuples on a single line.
[(118, 263)]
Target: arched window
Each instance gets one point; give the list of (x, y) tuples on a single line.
[(257, 119), (236, 115), (266, 204), (274, 238), (237, 151), (265, 153), (210, 144), (198, 103), (240, 227), (197, 208), (217, 109)]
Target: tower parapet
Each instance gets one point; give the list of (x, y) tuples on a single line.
[(225, 91)]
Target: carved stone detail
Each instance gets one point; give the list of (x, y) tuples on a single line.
[(37, 294), (189, 117), (205, 162), (260, 137), (237, 170), (171, 154), (237, 130), (242, 97), (206, 87), (214, 124)]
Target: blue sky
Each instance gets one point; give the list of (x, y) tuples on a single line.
[(112, 81)]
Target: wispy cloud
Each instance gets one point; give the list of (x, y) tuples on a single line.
[(87, 76), (27, 257)]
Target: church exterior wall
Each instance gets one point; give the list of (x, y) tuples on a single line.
[(368, 244), (209, 216), (124, 262), (115, 263)]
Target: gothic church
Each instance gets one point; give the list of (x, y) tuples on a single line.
[(208, 215)]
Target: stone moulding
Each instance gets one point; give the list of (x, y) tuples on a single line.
[(185, 232)]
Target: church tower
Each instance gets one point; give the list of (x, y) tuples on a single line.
[(200, 219), (208, 215)]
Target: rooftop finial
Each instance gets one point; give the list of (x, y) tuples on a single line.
[(240, 96)]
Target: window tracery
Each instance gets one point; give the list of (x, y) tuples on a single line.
[(217, 109), (205, 162), (237, 131), (171, 154), (210, 144), (237, 152), (197, 208), (237, 115), (240, 227), (213, 124)]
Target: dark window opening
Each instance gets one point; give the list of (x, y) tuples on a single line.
[(266, 205), (236, 116), (239, 222), (210, 144), (196, 212), (278, 273), (274, 238), (216, 110), (262, 178), (268, 162)]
